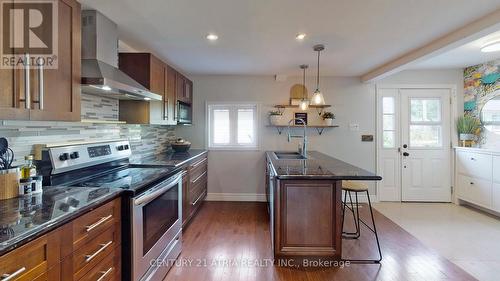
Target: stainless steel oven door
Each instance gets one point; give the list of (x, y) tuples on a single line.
[(156, 224)]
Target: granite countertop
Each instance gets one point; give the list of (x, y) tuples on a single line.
[(318, 166), (25, 218), (171, 158)]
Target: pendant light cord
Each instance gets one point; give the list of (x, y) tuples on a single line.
[(304, 84), (317, 78)]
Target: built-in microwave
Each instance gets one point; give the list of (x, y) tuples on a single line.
[(184, 113)]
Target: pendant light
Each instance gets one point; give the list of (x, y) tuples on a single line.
[(318, 98), (304, 102)]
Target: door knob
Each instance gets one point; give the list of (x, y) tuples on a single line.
[(406, 154)]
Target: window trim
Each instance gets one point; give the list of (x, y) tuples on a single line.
[(233, 126)]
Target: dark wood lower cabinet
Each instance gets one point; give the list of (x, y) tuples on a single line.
[(65, 254), (194, 187), (308, 219)]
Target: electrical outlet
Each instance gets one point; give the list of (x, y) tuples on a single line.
[(353, 127)]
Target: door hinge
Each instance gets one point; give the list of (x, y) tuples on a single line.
[(451, 100), (451, 188)]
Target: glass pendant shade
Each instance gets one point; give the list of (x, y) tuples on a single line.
[(304, 104), (318, 98)]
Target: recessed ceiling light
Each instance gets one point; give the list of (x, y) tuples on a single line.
[(106, 88), (146, 98), (491, 47), (212, 37), (300, 36)]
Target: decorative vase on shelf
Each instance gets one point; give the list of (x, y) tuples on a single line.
[(275, 119), (328, 121)]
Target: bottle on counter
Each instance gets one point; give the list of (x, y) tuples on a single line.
[(25, 186), (28, 170)]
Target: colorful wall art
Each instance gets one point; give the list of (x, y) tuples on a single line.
[(481, 83)]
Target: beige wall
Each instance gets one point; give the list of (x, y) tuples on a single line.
[(241, 173)]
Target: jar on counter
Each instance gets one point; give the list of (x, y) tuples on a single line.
[(36, 184), (28, 170), (25, 186)]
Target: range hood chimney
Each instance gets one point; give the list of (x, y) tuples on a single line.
[(100, 73)]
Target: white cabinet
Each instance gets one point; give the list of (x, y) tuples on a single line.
[(477, 177), (496, 197)]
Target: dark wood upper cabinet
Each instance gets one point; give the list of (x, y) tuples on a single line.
[(54, 94), (151, 72), (171, 96), (184, 89)]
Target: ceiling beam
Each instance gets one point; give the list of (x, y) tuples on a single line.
[(468, 33)]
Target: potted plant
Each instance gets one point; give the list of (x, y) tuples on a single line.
[(328, 118), (275, 117), (468, 128)]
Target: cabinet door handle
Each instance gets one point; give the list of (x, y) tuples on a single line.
[(7, 277), (165, 109), (27, 96), (90, 257), (471, 183), (99, 222), (41, 87), (473, 159), (104, 274)]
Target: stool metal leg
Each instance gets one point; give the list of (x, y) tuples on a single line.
[(374, 230), (355, 215)]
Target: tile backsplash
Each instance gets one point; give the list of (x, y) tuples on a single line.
[(145, 140)]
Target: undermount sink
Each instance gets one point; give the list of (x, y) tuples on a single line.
[(289, 155)]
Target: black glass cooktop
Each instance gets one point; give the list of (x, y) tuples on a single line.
[(132, 178)]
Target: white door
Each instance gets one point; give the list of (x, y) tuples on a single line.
[(414, 154), (425, 138)]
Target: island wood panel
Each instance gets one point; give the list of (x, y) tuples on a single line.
[(236, 231), (308, 219)]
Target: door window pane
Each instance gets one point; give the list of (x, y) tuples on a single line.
[(425, 136), (221, 126), (388, 105), (389, 139), (246, 126), (425, 110), (388, 122)]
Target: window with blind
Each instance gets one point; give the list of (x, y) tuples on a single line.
[(232, 126)]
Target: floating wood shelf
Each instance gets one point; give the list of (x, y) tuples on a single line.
[(319, 128), (319, 108)]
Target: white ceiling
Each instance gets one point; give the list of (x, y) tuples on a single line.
[(258, 36), (463, 56)]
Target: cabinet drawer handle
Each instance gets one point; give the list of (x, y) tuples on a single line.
[(99, 222), (198, 163), (104, 274), (196, 201), (7, 277), (92, 256), (199, 177)]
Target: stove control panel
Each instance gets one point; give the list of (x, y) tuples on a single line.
[(72, 157)]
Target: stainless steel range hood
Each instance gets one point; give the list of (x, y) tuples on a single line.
[(100, 73)]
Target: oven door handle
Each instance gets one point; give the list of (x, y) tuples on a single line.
[(158, 190)]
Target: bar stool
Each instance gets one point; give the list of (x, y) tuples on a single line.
[(357, 187)]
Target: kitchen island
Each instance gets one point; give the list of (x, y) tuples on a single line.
[(305, 204)]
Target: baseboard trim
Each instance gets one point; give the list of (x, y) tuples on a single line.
[(239, 197)]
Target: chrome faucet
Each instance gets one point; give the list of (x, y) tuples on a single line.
[(302, 151)]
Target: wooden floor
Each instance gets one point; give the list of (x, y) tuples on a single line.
[(230, 241)]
